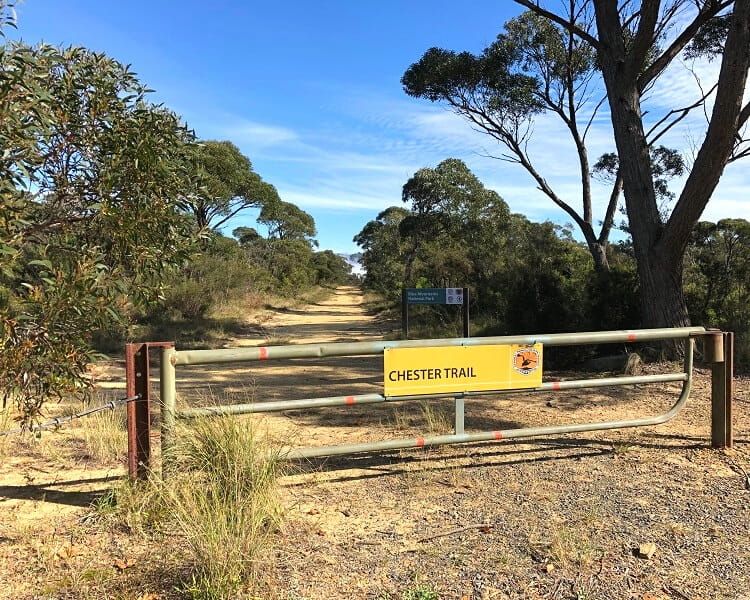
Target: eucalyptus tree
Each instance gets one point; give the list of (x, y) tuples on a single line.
[(450, 206), (89, 224), (287, 221), (633, 44), (717, 278), (383, 251), (534, 67), (225, 184)]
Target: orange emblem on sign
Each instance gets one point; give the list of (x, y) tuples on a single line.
[(526, 360)]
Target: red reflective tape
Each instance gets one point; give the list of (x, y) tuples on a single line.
[(498, 435), (420, 442), (349, 400), (263, 353), (556, 385), (631, 337)]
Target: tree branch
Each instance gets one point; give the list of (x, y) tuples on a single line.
[(644, 37), (53, 224), (609, 216), (709, 10), (719, 142), (242, 206), (744, 115), (683, 112), (574, 29)]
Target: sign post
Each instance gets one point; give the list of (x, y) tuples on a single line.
[(456, 296)]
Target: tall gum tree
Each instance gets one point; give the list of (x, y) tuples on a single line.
[(534, 67), (634, 44)]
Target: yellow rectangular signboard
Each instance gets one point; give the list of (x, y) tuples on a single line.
[(450, 369)]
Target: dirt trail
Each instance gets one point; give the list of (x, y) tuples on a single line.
[(339, 318)]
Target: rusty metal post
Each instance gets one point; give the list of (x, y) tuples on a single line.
[(721, 382), (139, 421)]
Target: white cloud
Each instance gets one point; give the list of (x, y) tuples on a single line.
[(258, 135)]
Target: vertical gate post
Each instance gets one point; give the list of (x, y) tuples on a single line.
[(168, 394), (459, 416), (719, 351), (404, 314), (138, 412), (729, 388)]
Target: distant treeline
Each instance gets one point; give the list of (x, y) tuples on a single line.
[(528, 277)]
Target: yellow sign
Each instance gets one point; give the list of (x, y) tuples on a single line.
[(447, 369)]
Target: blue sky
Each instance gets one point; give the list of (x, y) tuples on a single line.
[(310, 92)]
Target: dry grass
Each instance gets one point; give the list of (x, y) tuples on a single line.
[(225, 504), (105, 435), (6, 423), (437, 420)]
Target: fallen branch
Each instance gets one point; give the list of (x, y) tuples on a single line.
[(483, 526)]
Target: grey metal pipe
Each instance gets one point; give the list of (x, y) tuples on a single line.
[(204, 357), (168, 396), (258, 407), (484, 436), (281, 405)]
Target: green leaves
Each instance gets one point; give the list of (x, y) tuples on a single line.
[(89, 222), (224, 184)]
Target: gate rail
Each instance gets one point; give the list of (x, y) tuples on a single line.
[(717, 346)]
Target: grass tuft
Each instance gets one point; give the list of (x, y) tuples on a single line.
[(225, 504), (219, 503)]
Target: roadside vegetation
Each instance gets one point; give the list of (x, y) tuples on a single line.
[(109, 215)]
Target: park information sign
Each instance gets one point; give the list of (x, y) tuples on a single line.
[(452, 369), (455, 296), (434, 295)]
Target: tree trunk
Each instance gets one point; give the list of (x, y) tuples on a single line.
[(661, 298), (599, 253), (660, 274)]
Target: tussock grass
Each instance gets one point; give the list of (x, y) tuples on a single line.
[(218, 505), (225, 504)]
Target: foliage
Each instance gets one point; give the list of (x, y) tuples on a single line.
[(383, 252), (330, 268), (286, 221), (220, 272), (225, 184), (88, 176), (524, 277), (533, 67), (717, 279), (549, 61)]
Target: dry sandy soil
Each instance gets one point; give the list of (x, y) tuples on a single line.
[(554, 517)]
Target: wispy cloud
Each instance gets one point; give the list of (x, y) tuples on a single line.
[(258, 135)]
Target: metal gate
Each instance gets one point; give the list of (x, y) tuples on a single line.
[(717, 350)]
